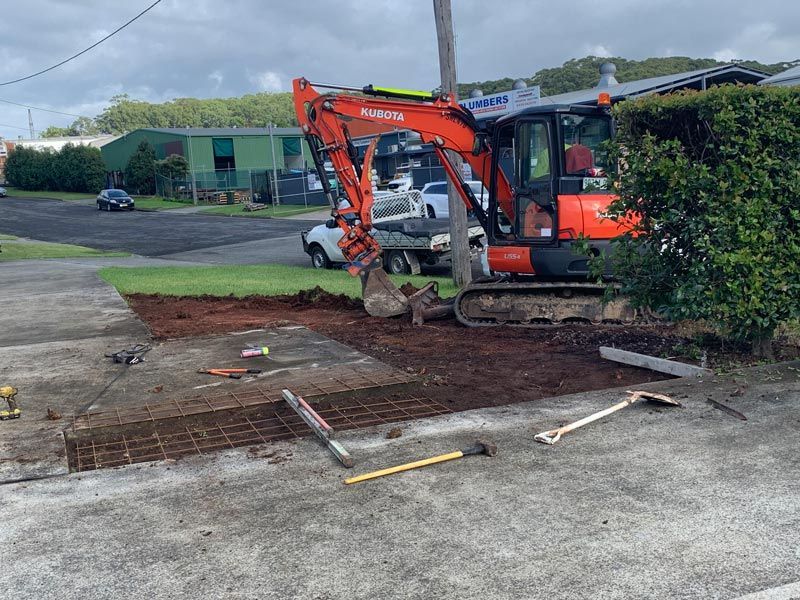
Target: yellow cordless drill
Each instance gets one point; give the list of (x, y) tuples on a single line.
[(8, 393)]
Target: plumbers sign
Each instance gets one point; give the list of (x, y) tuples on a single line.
[(496, 105)]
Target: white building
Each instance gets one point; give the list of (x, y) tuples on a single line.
[(57, 143)]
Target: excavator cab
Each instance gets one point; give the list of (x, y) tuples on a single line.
[(556, 162)]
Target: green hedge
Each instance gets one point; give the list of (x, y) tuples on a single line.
[(72, 169), (714, 179)]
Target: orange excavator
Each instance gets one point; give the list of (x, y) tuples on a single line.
[(545, 171)]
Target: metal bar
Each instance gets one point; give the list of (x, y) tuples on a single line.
[(345, 417), (227, 439), (191, 437), (324, 434), (161, 445), (258, 433), (410, 416), (127, 451), (289, 427)]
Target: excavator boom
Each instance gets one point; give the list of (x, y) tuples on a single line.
[(440, 121)]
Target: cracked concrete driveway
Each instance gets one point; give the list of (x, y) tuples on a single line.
[(649, 503)]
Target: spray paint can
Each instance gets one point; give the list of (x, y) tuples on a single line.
[(251, 352)]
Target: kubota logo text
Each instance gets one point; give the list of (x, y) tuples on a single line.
[(379, 113)]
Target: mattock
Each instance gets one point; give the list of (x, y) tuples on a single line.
[(552, 436)]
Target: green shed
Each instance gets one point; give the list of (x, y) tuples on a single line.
[(220, 158)]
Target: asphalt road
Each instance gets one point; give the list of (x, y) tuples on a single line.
[(147, 233)]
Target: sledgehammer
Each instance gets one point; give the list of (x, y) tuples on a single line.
[(480, 447)]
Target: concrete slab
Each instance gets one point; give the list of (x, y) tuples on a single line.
[(58, 301), (58, 320), (73, 377), (681, 503)]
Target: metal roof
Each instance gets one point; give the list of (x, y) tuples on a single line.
[(788, 77), (550, 109), (224, 131), (665, 83)]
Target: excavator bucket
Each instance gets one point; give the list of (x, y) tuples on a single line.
[(382, 298)]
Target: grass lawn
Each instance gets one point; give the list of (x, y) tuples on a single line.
[(57, 195), (31, 250), (237, 210), (245, 280), (5, 236), (157, 203)]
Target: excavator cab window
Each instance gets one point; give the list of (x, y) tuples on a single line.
[(502, 224), (533, 181), (585, 153)]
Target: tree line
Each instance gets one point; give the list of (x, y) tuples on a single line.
[(127, 114), (71, 169), (81, 169), (583, 73)]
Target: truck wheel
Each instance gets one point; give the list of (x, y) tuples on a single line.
[(319, 259), (431, 212), (397, 264)]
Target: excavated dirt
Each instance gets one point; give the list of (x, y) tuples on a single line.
[(460, 367)]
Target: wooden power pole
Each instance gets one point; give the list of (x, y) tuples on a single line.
[(459, 242)]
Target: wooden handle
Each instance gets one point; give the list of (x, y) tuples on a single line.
[(552, 436), (405, 467)]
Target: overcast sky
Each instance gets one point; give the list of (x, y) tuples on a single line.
[(212, 48)]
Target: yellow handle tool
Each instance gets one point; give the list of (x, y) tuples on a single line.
[(487, 448)]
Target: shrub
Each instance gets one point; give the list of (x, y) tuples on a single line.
[(30, 169), (79, 169), (140, 170), (72, 169), (714, 179)]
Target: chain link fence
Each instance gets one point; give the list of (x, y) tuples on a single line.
[(295, 188)]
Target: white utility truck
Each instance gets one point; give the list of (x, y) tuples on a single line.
[(401, 226)]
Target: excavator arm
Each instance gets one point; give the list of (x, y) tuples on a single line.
[(439, 120)]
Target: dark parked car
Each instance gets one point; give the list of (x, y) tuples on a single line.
[(110, 199)]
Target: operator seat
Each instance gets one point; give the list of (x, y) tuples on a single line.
[(578, 158)]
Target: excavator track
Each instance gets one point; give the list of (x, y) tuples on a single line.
[(541, 304)]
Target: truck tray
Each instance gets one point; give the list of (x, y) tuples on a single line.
[(419, 227)]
